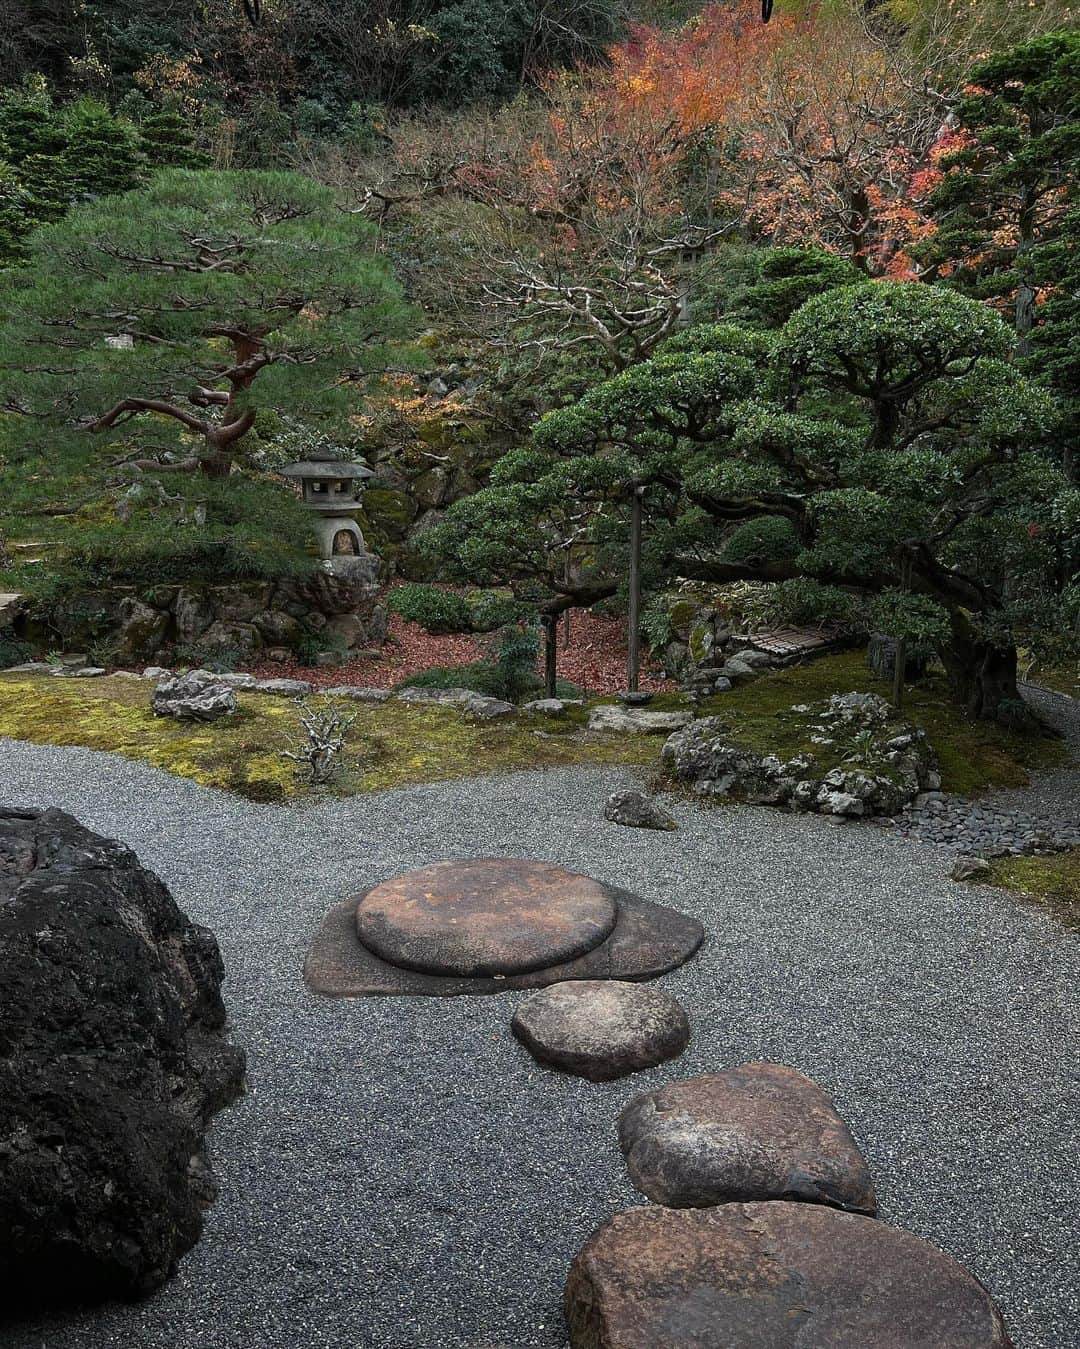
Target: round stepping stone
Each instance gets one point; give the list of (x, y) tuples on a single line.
[(758, 1131), (600, 1028), (771, 1276), (490, 916)]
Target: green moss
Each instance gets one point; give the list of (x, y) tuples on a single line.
[(392, 511), (1054, 879), (974, 755), (390, 744)]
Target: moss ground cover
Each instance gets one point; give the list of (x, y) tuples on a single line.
[(393, 744), (1054, 879), (390, 745)]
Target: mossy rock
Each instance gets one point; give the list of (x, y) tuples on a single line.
[(701, 640), (392, 512)]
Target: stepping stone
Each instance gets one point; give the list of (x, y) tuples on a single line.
[(771, 1276), (494, 915), (636, 720), (759, 1131), (648, 940), (602, 1029)]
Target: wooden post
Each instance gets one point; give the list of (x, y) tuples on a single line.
[(633, 659), (566, 614), (551, 642), (899, 671)]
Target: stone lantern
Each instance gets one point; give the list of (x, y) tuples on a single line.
[(331, 492)]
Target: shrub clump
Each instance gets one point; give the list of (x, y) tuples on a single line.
[(436, 610)]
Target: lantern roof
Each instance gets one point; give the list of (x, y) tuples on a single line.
[(323, 466)]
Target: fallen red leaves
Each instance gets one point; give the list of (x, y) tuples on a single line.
[(595, 658)]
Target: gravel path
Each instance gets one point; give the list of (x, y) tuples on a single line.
[(402, 1175), (1041, 818)]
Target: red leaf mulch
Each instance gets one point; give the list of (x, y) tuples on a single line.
[(595, 658)]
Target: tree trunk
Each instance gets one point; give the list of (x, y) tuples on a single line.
[(983, 678)]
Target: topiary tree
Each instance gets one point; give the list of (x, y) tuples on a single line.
[(201, 301), (885, 425)]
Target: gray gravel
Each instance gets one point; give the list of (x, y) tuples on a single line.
[(1043, 817), (403, 1175)]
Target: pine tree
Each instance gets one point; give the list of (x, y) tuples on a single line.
[(167, 142)]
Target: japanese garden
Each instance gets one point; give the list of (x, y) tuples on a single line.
[(539, 674)]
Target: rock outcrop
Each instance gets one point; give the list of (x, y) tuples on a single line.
[(113, 1061), (861, 761)]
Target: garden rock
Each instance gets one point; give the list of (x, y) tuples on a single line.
[(602, 1029), (970, 869), (78, 671), (758, 1131), (114, 1061), (771, 1276), (887, 765), (480, 708), (141, 630), (196, 696), (549, 707), (361, 694), (637, 811), (636, 720), (237, 680), (284, 688)]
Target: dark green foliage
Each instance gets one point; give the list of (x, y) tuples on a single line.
[(771, 538), (884, 425), (166, 141), (13, 651), (763, 287), (435, 609), (1008, 208), (194, 303)]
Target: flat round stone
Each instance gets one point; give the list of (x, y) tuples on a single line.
[(492, 915)]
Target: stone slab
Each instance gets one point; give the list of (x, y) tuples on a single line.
[(488, 915), (648, 940), (771, 1276), (756, 1131), (601, 1029)]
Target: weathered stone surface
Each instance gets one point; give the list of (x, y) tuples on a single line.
[(970, 869), (758, 1131), (492, 915), (78, 671), (636, 720), (889, 764), (241, 639), (488, 709), (277, 628), (113, 1062), (648, 940), (196, 696), (193, 613), (11, 606), (284, 688), (141, 630), (602, 1029), (771, 1276), (637, 811), (361, 694), (550, 707)]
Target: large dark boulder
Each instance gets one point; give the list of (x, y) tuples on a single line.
[(112, 1061)]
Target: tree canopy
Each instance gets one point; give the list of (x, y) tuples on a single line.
[(884, 423), (200, 301)]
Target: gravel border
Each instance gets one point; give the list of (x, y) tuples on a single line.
[(402, 1175)]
